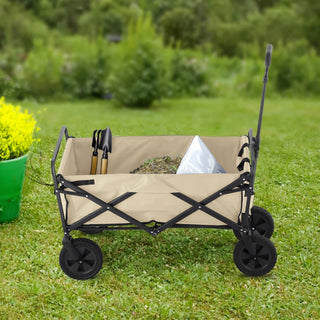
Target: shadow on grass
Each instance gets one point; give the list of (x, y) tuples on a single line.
[(136, 252)]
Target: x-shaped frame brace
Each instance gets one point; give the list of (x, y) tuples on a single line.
[(104, 206), (202, 205)]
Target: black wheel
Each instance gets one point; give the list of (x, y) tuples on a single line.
[(261, 221), (87, 265), (259, 260)]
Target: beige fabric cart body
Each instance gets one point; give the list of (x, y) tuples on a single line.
[(154, 198)]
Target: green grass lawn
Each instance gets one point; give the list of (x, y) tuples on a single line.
[(185, 273)]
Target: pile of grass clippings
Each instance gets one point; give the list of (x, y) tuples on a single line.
[(159, 165)]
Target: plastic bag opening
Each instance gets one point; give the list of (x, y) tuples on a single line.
[(199, 159)]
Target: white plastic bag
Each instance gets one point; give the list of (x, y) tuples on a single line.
[(199, 159)]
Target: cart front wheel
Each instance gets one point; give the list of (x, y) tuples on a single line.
[(87, 265), (261, 221), (255, 256)]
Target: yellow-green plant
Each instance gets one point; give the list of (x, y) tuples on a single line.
[(16, 131)]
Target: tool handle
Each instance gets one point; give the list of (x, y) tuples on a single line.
[(94, 162), (104, 166)]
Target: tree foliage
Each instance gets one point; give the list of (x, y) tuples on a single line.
[(35, 60), (138, 75)]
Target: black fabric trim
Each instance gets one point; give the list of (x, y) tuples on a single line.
[(242, 149), (83, 182), (240, 167)]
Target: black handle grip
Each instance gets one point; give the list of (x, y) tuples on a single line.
[(268, 55)]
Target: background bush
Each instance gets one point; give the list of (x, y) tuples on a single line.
[(179, 25), (189, 75), (139, 74), (297, 69), (41, 73), (57, 48), (85, 68), (18, 27)]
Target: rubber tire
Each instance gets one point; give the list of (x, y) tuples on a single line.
[(261, 220), (261, 262), (88, 265)]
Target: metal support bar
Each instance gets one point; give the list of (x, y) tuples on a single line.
[(202, 206), (176, 219), (229, 188)]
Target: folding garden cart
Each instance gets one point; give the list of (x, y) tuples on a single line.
[(154, 202)]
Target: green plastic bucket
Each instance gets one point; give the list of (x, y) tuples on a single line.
[(11, 181)]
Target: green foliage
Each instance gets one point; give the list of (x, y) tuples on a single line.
[(188, 74), (85, 68), (180, 26), (66, 14), (309, 11), (248, 81), (213, 29), (138, 74), (107, 17), (19, 28), (263, 4), (276, 25), (16, 131), (297, 69), (41, 73), (10, 87)]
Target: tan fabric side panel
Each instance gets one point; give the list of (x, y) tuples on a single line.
[(129, 153), (68, 161), (199, 185), (154, 200), (225, 150)]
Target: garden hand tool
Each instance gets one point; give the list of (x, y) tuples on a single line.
[(95, 143), (105, 145)]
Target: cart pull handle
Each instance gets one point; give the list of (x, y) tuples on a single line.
[(268, 55), (255, 142), (265, 80)]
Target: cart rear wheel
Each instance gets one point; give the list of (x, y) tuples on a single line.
[(261, 221), (87, 265), (257, 260)]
